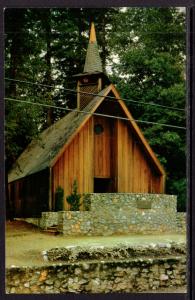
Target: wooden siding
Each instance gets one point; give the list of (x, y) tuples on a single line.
[(139, 134), (75, 163), (116, 153), (135, 171), (102, 148)]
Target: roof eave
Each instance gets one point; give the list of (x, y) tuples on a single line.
[(27, 175)]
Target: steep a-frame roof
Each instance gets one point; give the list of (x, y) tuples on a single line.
[(45, 150), (41, 151)]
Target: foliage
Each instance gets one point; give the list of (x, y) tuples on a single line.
[(86, 202), (21, 53), (151, 69), (179, 185), (46, 46), (59, 199), (74, 198)]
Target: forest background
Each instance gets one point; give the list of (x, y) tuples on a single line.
[(143, 52)]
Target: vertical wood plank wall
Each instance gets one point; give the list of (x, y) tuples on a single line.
[(102, 148), (135, 172), (76, 162), (90, 155)]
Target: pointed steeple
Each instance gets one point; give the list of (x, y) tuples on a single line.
[(92, 61), (92, 37), (93, 79)]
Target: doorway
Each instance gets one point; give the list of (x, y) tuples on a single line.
[(102, 185)]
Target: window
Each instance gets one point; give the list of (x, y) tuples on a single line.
[(98, 129)]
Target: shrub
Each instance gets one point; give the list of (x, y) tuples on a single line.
[(59, 199), (178, 187), (86, 202), (74, 198)]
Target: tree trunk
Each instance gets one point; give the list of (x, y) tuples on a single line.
[(48, 77), (15, 27)]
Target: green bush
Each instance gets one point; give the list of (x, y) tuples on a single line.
[(59, 199), (86, 202), (178, 187), (74, 198)]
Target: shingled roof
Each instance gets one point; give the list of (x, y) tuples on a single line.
[(93, 61), (40, 152)]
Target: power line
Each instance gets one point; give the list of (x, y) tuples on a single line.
[(95, 114), (93, 94), (64, 33)]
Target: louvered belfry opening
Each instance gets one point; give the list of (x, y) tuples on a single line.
[(87, 88), (85, 98)]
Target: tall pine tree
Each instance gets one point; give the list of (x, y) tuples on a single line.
[(150, 44)]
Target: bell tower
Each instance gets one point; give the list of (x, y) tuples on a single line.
[(92, 80)]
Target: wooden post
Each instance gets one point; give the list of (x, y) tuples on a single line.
[(50, 189), (99, 84), (162, 184)]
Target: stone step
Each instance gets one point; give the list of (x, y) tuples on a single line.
[(53, 227), (51, 230)]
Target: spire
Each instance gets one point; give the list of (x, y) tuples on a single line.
[(92, 38), (92, 61)]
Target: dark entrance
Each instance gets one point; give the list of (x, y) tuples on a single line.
[(102, 185)]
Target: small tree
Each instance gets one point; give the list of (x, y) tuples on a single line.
[(74, 198), (59, 199)]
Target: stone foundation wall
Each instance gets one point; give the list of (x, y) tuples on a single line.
[(137, 275), (48, 219), (76, 223), (119, 213), (181, 221)]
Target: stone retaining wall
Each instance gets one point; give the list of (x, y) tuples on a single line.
[(121, 251), (120, 213), (181, 221), (136, 275), (48, 219)]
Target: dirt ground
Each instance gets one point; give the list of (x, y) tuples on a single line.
[(25, 242)]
